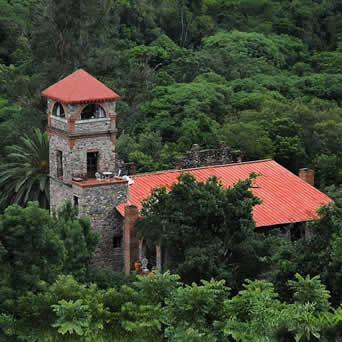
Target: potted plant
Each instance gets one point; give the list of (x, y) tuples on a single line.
[(137, 265)]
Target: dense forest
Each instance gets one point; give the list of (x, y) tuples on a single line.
[(263, 76)]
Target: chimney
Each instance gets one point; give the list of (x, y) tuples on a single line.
[(179, 163), (132, 169), (307, 175), (130, 240)]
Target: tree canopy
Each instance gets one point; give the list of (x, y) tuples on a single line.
[(205, 229)]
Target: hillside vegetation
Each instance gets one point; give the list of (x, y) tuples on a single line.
[(263, 76)]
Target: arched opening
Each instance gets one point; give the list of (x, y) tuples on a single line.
[(58, 110), (93, 111)]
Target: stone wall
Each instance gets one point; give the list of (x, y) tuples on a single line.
[(59, 123), (75, 138), (93, 125), (197, 158), (60, 143), (106, 154), (98, 203), (60, 193), (127, 169)]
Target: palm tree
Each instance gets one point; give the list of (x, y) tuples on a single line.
[(25, 177)]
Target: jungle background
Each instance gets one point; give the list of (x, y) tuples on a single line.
[(262, 76)]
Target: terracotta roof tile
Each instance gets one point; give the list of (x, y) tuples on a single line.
[(80, 87), (285, 197)]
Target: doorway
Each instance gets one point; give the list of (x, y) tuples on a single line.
[(92, 159)]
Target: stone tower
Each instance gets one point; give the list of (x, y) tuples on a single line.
[(82, 133)]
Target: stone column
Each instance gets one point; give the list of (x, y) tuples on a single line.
[(130, 241), (158, 258)]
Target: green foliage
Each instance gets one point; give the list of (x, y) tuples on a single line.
[(158, 287), (70, 311), (219, 220), (35, 247), (310, 290), (105, 278), (26, 176), (250, 138), (263, 76), (195, 313), (31, 248), (79, 241), (255, 313), (72, 317), (318, 255)]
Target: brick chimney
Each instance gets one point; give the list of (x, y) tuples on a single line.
[(307, 175), (130, 241)]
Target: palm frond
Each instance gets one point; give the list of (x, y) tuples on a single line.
[(25, 176)]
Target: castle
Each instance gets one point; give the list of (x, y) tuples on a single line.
[(84, 169)]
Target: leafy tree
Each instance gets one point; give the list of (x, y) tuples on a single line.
[(159, 307), (251, 138), (255, 314), (70, 311), (26, 176), (79, 241), (311, 290), (196, 312), (205, 229), (9, 119), (31, 249), (36, 246), (301, 256)]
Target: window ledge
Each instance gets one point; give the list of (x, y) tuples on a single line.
[(59, 119), (91, 120)]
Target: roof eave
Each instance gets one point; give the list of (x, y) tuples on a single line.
[(106, 99)]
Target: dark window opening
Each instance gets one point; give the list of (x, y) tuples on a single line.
[(117, 241), (93, 111), (58, 110), (76, 201), (296, 233), (92, 158), (59, 164)]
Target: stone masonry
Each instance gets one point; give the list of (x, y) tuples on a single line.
[(197, 158), (74, 138), (99, 202)]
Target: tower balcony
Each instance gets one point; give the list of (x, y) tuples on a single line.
[(59, 123), (80, 127), (92, 125)]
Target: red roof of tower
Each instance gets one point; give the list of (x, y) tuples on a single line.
[(80, 87), (285, 197)]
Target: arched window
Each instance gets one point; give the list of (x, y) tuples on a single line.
[(58, 110), (93, 111)]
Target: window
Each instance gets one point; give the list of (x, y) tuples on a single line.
[(117, 241), (296, 232), (92, 158), (76, 201), (59, 164), (58, 110), (93, 111)]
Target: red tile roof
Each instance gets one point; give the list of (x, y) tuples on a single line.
[(80, 87), (285, 197)]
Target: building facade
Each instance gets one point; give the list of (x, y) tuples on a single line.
[(82, 134), (84, 169)]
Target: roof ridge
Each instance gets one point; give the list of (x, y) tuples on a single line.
[(200, 167)]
